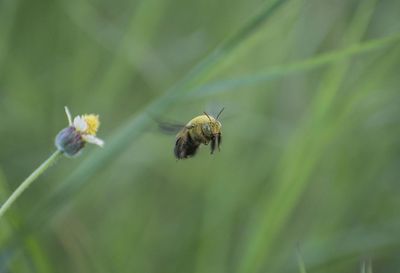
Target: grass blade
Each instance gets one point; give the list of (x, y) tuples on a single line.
[(229, 85)]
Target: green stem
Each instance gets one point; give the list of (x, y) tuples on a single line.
[(28, 181)]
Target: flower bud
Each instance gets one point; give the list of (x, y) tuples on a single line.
[(69, 141)]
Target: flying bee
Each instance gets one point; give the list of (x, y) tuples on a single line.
[(203, 129)]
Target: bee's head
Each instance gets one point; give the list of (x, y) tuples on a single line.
[(213, 127)]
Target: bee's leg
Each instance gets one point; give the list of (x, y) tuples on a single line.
[(178, 150), (213, 144), (216, 142)]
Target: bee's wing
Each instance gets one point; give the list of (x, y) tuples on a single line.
[(170, 128)]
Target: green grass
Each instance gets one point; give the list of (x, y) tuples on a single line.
[(307, 177)]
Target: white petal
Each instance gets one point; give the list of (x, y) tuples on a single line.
[(68, 115), (94, 140), (80, 124)]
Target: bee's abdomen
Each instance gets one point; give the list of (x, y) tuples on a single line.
[(185, 146)]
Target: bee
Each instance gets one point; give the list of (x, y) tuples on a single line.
[(203, 129)]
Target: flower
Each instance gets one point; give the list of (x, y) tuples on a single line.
[(81, 130)]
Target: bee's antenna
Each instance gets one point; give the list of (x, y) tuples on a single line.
[(207, 115), (223, 108)]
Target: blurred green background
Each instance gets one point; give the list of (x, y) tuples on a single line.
[(307, 177)]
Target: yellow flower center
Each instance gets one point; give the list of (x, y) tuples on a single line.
[(93, 124)]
